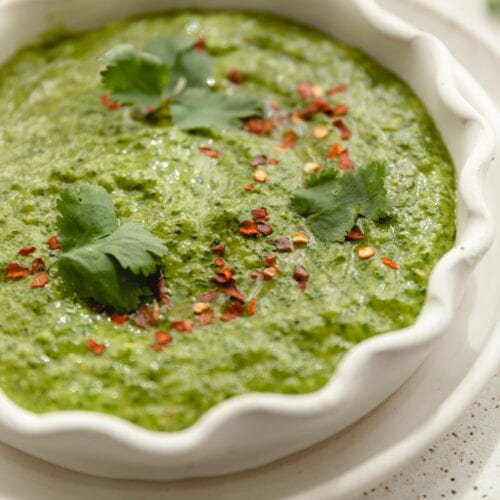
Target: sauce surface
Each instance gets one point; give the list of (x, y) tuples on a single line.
[(55, 133)]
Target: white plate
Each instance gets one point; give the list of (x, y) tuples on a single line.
[(363, 454)]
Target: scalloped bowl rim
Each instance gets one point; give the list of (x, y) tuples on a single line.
[(435, 314)]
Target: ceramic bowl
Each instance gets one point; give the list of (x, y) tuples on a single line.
[(254, 429)]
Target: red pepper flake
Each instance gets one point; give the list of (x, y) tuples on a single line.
[(210, 152), (340, 110), (249, 228), (223, 276), (317, 106), (264, 229), (209, 296), (289, 141), (259, 126), (37, 265), (206, 317), (257, 275), (283, 244), (109, 103), (270, 272), (336, 150), (259, 160), (163, 338), (201, 43), (389, 263), (252, 306), (273, 161), (14, 271), (300, 274), (260, 214), (345, 163), (163, 292), (219, 262), (305, 90), (144, 317), (337, 89), (96, 347), (26, 250), (345, 132), (185, 325), (232, 291), (40, 280), (236, 76), (232, 312), (54, 243), (355, 234), (270, 259), (250, 187), (219, 249), (119, 319)]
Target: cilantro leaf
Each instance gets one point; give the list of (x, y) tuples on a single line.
[(100, 259), (199, 108), (333, 201), (134, 77), (176, 51)]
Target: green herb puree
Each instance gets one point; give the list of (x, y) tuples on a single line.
[(55, 134)]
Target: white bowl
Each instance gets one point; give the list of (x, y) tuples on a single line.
[(255, 429)]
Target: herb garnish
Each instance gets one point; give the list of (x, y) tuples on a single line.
[(333, 201), (171, 76), (101, 259)]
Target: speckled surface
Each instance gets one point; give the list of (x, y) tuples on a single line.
[(464, 464)]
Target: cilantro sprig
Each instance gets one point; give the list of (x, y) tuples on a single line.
[(101, 259), (171, 76), (333, 202)]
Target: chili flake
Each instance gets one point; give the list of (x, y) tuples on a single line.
[(26, 250), (144, 317), (300, 274), (345, 163), (252, 306), (300, 238), (260, 176), (210, 152), (260, 214), (270, 272), (200, 307), (337, 89), (37, 265), (283, 244), (259, 126), (249, 187), (15, 271), (270, 259), (336, 150), (249, 228), (200, 43), (40, 280), (232, 312), (365, 252), (96, 347), (209, 296), (223, 275), (219, 262), (109, 103), (219, 249), (389, 263), (258, 160), (289, 141), (264, 229), (355, 234), (345, 132), (255, 274), (54, 243), (305, 90), (119, 319), (185, 325), (232, 291), (206, 317), (340, 110), (236, 76), (320, 132)]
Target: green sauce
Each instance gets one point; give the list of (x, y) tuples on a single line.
[(55, 133)]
